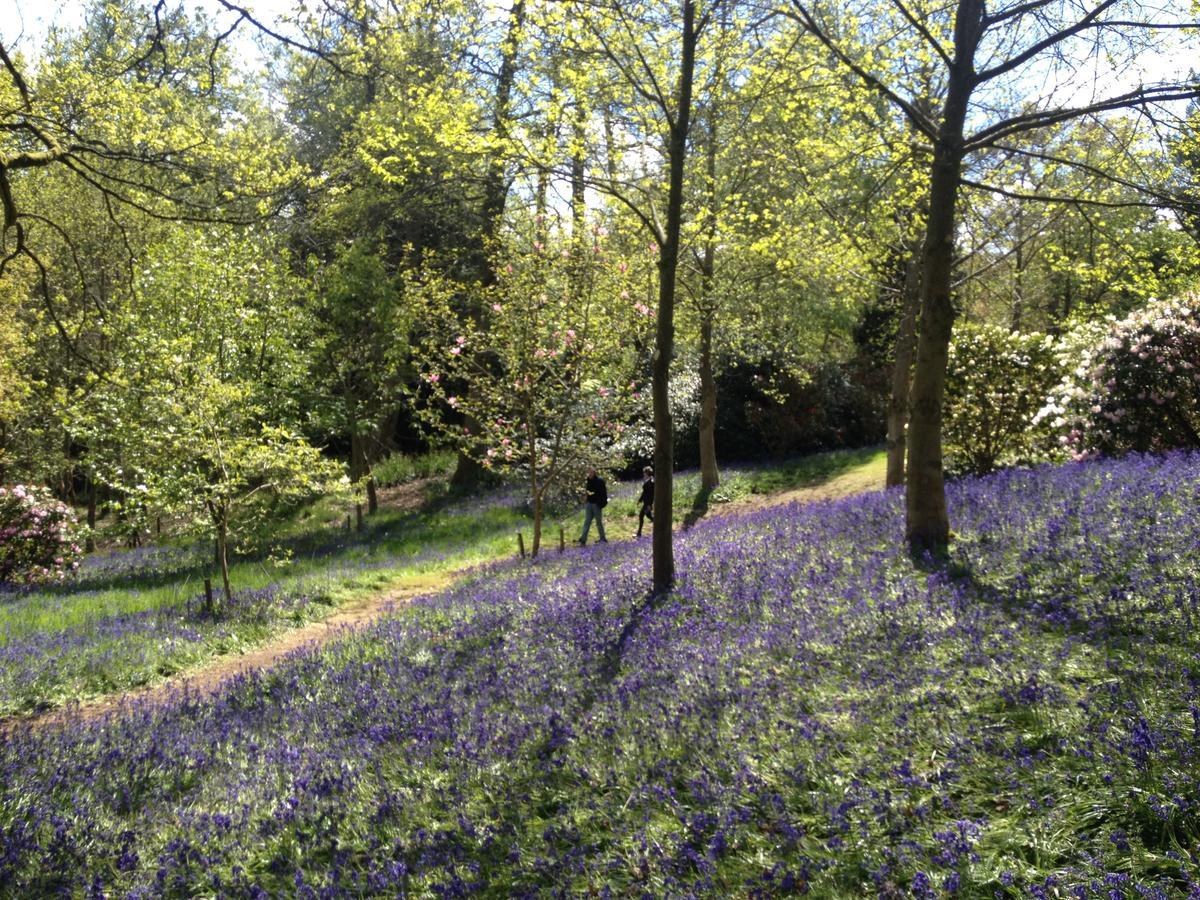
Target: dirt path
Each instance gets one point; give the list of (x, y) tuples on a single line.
[(207, 680), (858, 480)]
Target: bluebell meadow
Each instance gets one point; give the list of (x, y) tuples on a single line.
[(808, 712)]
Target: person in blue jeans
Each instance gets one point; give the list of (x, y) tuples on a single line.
[(597, 499)]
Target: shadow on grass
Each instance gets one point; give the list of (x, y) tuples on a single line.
[(387, 533), (811, 471), (699, 507), (799, 472), (1055, 606)]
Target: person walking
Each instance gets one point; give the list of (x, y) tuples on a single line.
[(597, 499), (646, 500)]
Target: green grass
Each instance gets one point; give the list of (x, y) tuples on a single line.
[(400, 468), (863, 468), (312, 555)]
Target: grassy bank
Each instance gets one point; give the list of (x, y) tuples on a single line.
[(132, 617)]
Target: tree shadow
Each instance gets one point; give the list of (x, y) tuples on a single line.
[(1054, 606), (699, 508), (611, 659)]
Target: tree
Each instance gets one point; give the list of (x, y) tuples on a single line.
[(198, 418), (402, 114), (652, 52), (829, 207), (1046, 265), (15, 383), (546, 378), (359, 353), (135, 107), (988, 58)]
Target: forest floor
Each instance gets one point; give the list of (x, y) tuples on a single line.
[(208, 679)]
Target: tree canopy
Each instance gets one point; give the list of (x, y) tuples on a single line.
[(258, 236)]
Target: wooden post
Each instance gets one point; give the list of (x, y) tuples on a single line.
[(348, 526), (208, 594), (521, 544), (358, 511), (562, 540)]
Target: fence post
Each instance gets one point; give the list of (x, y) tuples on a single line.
[(521, 544)]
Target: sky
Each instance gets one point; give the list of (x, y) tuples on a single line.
[(25, 22)]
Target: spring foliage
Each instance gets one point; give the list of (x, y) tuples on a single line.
[(542, 367), (996, 381)]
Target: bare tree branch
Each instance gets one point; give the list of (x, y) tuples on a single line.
[(919, 120)]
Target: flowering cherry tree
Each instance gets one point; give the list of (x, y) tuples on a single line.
[(544, 379), (1137, 388), (37, 535)]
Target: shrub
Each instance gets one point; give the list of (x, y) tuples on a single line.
[(996, 382), (37, 536), (1138, 387), (400, 468), (765, 411)]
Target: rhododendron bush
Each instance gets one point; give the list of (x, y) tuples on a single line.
[(1137, 388), (37, 535)]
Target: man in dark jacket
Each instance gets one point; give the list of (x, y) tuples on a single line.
[(646, 500), (597, 499)]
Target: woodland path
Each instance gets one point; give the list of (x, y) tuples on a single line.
[(208, 679)]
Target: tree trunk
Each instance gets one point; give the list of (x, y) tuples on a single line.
[(360, 469), (927, 523), (578, 171), (1016, 316), (537, 524), (223, 555), (664, 343), (710, 476), (906, 340)]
